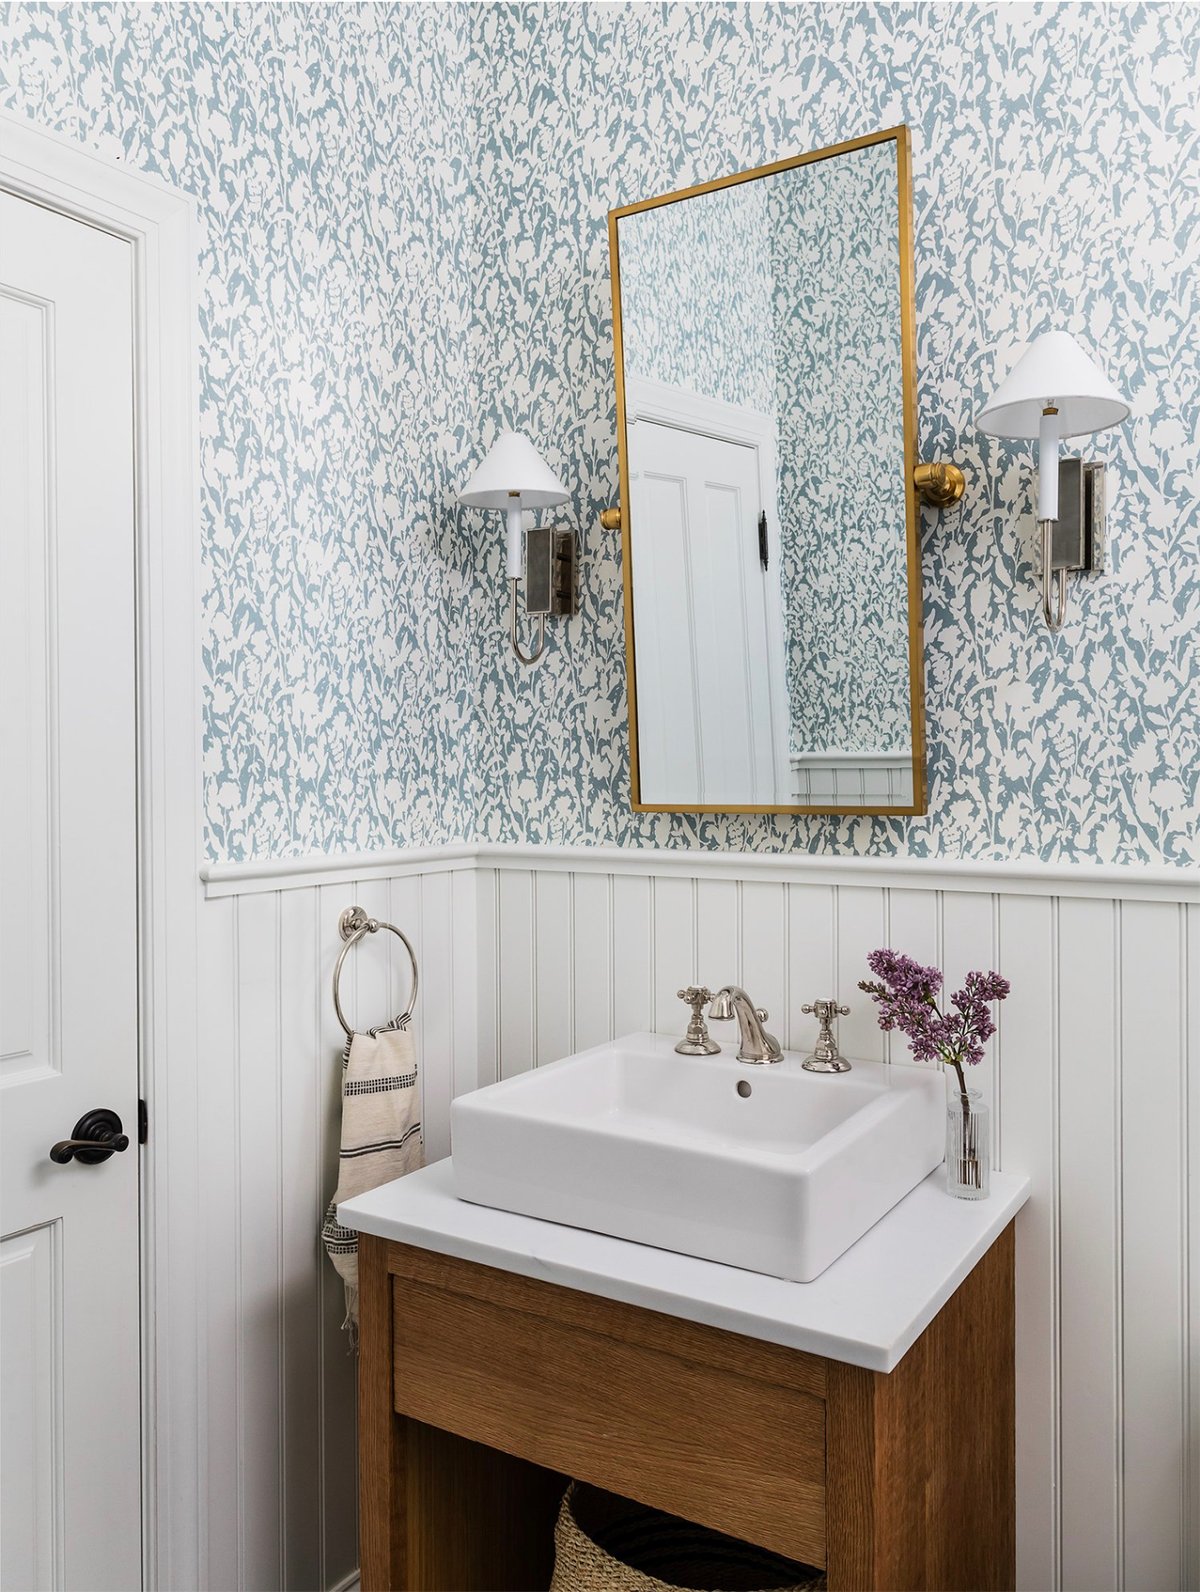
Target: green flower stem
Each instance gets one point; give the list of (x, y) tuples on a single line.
[(968, 1167)]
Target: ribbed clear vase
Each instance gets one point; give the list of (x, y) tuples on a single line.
[(968, 1143)]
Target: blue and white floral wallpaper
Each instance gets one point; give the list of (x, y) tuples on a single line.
[(392, 265), (697, 294), (1054, 184), (833, 236), (327, 150)]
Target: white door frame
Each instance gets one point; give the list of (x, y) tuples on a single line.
[(160, 225)]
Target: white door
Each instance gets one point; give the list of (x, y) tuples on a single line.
[(69, 1332), (704, 717)]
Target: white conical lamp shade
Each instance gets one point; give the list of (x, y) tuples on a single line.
[(513, 469), (514, 476), (1054, 370)]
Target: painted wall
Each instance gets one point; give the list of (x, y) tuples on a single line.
[(280, 1447), (529, 953), (327, 151), (1049, 145), (577, 947)]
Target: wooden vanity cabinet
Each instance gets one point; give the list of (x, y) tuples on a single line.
[(481, 1393)]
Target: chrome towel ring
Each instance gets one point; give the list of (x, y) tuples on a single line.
[(352, 926)]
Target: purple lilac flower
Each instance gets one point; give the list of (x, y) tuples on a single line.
[(907, 997), (973, 1005)]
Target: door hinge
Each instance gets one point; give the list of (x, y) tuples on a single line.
[(762, 539), (143, 1122)]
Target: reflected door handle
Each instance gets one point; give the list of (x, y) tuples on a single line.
[(95, 1137)]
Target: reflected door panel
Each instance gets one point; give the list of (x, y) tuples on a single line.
[(702, 648)]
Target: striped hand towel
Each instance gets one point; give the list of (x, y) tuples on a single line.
[(381, 1137)]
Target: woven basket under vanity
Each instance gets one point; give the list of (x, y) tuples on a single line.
[(603, 1543)]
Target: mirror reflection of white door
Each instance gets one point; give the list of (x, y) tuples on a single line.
[(70, 1427), (701, 635)]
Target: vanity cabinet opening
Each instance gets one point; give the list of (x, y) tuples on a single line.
[(607, 1543)]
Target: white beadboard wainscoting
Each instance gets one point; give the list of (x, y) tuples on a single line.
[(529, 952), (281, 1506)]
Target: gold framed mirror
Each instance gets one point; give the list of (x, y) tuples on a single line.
[(764, 333)]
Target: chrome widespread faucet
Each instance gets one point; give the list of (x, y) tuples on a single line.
[(755, 1044)]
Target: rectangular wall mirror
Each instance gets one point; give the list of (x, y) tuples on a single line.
[(766, 411)]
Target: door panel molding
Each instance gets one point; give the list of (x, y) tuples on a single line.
[(33, 1541), (29, 1030), (160, 225)]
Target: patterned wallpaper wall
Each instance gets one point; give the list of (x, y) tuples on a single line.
[(392, 265), (1054, 161), (327, 149), (696, 296), (835, 261)]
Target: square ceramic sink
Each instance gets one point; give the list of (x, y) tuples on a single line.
[(770, 1168)]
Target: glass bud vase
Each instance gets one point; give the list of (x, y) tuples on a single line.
[(968, 1143)]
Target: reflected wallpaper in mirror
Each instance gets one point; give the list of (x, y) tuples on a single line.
[(764, 396)]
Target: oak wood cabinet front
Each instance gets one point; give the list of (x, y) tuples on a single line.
[(482, 1393)]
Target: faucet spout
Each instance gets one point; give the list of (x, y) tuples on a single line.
[(754, 1043)]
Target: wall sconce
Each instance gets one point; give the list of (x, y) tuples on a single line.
[(1057, 391), (515, 477)]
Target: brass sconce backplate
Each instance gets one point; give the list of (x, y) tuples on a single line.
[(939, 484)]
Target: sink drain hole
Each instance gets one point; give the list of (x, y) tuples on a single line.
[(744, 1089)]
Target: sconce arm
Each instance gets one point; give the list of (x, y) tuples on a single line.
[(1054, 581), (522, 657)]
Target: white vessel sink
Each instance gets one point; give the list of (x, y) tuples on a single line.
[(770, 1168)]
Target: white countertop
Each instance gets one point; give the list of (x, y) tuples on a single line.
[(867, 1309)]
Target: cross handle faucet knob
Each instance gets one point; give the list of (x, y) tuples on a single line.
[(826, 1011), (826, 1057), (696, 1042)]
